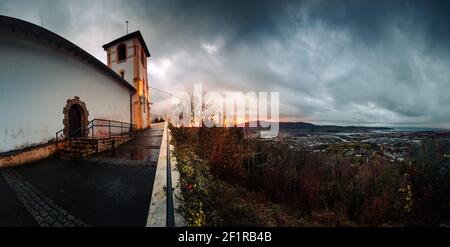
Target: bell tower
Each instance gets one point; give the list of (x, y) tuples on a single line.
[(127, 56)]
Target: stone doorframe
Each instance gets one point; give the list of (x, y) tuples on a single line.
[(84, 115)]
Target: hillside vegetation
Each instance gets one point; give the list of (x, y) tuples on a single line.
[(228, 180)]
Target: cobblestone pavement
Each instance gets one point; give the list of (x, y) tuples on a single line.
[(114, 191), (42, 208)]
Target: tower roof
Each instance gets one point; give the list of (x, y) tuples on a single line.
[(136, 34)]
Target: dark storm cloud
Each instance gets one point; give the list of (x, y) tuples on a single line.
[(370, 21), (346, 62)]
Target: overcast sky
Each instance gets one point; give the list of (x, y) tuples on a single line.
[(342, 62)]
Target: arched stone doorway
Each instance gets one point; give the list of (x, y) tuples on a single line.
[(75, 123), (76, 118)]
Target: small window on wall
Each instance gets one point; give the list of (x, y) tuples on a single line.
[(122, 74), (121, 52)]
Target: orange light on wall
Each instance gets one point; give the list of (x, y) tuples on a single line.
[(141, 88), (146, 89)]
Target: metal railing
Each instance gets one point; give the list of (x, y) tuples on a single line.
[(99, 128), (170, 216)]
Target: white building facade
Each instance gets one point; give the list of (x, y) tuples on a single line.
[(127, 56), (46, 80)]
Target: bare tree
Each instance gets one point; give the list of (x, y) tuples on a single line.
[(204, 107)]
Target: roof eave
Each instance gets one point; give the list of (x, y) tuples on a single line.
[(40, 33), (136, 34)]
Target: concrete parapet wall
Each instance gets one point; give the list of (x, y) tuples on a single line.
[(157, 215), (29, 155)]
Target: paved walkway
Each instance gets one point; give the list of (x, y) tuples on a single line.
[(112, 188)]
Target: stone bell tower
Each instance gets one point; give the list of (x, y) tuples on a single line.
[(128, 57)]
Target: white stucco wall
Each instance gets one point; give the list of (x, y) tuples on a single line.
[(35, 83), (126, 65), (143, 76)]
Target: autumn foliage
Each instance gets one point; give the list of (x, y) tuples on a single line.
[(229, 180)]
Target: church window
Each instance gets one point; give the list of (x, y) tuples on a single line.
[(121, 52)]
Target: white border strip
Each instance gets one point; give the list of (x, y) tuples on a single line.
[(176, 186), (158, 204)]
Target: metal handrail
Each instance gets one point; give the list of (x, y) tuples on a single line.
[(132, 129)]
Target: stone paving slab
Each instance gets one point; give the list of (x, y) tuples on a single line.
[(42, 208), (108, 193), (98, 194), (119, 161), (11, 205)]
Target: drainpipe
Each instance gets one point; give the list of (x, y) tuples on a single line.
[(131, 110)]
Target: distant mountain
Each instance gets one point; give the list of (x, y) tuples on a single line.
[(309, 127)]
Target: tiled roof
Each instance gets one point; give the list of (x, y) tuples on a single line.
[(136, 34)]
